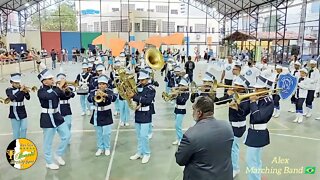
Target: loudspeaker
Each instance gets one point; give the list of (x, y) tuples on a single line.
[(295, 50)]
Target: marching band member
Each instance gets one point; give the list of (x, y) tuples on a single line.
[(237, 118), (133, 61), (113, 76), (180, 109), (65, 108), (143, 116), (261, 108), (251, 73), (83, 79), (304, 84), (227, 74), (51, 120), (18, 114), (295, 72), (276, 97), (170, 77), (102, 114), (100, 68), (314, 76), (207, 85), (124, 109)]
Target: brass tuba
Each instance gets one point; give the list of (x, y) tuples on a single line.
[(154, 58), (4, 100), (126, 83)]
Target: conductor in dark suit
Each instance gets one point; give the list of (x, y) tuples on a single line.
[(205, 149)]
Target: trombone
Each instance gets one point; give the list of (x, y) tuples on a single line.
[(239, 98)]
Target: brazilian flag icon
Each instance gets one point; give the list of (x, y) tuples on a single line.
[(309, 170)]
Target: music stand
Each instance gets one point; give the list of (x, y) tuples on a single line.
[(34, 66), (1, 72)]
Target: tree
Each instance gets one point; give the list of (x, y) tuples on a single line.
[(50, 19)]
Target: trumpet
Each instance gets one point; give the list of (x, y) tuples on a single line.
[(27, 89), (100, 97), (4, 100), (154, 59), (238, 98)]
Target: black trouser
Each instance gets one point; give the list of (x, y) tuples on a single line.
[(293, 99), (164, 68), (310, 98), (227, 82), (190, 75), (276, 101), (183, 59), (299, 104)]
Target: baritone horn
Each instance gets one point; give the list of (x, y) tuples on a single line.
[(238, 98), (154, 59)]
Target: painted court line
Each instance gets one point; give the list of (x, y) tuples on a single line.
[(115, 130), (293, 136), (112, 154)]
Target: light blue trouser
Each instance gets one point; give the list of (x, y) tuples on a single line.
[(124, 111), (68, 120), (19, 128), (167, 88), (117, 105), (103, 134), (48, 135), (235, 154), (150, 128), (179, 119), (253, 159), (84, 104), (142, 130)]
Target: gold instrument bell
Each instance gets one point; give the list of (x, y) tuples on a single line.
[(98, 98), (4, 100), (154, 59)]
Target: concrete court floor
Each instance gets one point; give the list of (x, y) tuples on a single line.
[(299, 143)]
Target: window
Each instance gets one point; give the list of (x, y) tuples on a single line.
[(137, 27), (104, 26), (150, 10), (125, 25), (139, 9), (200, 28), (190, 29), (212, 30), (165, 25), (96, 27), (149, 25), (115, 25), (115, 9), (90, 28), (174, 11), (162, 9), (180, 28)]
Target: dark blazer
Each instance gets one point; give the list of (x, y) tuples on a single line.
[(205, 151), (15, 95)]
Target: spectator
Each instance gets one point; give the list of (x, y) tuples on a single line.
[(53, 58), (189, 67), (205, 149)]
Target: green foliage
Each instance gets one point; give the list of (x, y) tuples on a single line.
[(50, 20)]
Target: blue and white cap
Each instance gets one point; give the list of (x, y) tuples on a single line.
[(312, 61), (117, 62), (45, 74), (177, 69), (304, 70), (84, 65), (61, 76), (143, 74), (263, 82), (242, 81), (184, 80), (278, 66), (103, 79), (297, 63), (90, 65), (15, 77), (208, 77), (100, 67), (91, 59)]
